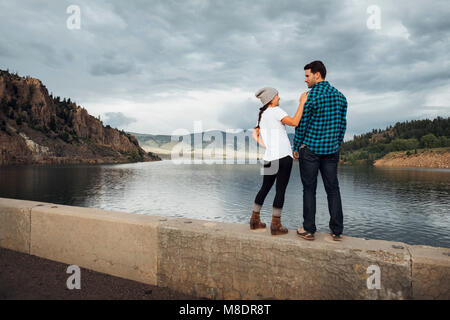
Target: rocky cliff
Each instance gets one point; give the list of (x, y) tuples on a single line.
[(37, 128)]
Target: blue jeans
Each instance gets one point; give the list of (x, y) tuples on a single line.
[(310, 164)]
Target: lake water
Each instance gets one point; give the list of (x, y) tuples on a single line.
[(408, 205)]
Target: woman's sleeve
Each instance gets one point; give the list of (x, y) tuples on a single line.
[(280, 114)]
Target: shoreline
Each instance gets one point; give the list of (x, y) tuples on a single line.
[(88, 162), (214, 161)]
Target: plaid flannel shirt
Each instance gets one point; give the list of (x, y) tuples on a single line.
[(323, 122)]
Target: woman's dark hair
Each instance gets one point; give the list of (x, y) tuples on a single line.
[(261, 110), (317, 66)]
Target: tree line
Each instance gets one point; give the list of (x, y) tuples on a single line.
[(403, 136)]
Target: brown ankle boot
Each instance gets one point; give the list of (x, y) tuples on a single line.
[(276, 228), (255, 222)]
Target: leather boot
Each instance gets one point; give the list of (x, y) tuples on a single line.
[(276, 228), (255, 222)]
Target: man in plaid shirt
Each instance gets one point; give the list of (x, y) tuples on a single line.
[(317, 139)]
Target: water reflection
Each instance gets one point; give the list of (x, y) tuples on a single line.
[(409, 205), (58, 184)]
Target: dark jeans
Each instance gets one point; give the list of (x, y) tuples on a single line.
[(310, 164), (281, 176)]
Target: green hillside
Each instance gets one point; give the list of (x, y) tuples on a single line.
[(403, 136)]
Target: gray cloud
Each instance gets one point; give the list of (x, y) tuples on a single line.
[(112, 66), (117, 120), (135, 49)]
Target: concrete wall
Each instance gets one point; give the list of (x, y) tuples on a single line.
[(222, 260)]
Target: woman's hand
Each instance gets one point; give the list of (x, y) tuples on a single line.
[(304, 97), (257, 137), (294, 121)]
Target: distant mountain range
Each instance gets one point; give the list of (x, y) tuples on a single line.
[(409, 136), (227, 145)]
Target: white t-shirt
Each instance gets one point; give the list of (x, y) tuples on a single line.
[(273, 133)]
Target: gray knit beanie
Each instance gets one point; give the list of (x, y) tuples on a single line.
[(266, 94)]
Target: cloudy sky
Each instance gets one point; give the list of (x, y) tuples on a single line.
[(157, 66)]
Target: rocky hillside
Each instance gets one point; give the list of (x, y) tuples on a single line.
[(37, 128), (433, 158)]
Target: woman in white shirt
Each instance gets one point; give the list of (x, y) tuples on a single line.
[(270, 132)]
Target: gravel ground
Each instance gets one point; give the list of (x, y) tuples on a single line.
[(24, 277)]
